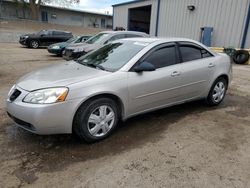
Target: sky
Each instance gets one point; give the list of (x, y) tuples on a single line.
[(101, 6)]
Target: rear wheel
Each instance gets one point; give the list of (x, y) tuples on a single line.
[(34, 44), (96, 119), (217, 92)]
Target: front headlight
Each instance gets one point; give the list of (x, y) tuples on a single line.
[(47, 96), (11, 90), (56, 47), (26, 37)]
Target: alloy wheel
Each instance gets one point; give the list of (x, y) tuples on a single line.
[(101, 121), (219, 92)]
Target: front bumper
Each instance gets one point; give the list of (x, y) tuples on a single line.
[(55, 51), (43, 119), (23, 42), (69, 55)]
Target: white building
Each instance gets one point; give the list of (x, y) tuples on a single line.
[(184, 18), (55, 15)]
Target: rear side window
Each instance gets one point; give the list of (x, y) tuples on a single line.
[(162, 57), (190, 52)]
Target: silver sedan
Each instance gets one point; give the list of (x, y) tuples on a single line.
[(120, 80)]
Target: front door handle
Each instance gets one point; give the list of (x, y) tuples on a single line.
[(175, 73), (211, 65)]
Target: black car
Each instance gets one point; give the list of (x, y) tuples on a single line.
[(44, 38)]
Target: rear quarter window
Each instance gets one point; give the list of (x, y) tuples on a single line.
[(191, 52)]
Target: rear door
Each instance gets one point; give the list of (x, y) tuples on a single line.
[(46, 38), (149, 90), (197, 68)]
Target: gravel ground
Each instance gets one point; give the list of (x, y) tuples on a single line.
[(189, 145)]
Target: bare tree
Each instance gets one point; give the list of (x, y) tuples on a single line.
[(34, 5)]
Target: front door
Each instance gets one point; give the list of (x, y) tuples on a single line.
[(149, 90)]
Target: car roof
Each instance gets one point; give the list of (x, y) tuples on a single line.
[(163, 40), (56, 30)]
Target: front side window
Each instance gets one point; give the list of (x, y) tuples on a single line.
[(190, 52), (162, 57), (97, 38), (112, 56)]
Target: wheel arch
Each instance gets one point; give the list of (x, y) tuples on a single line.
[(112, 96)]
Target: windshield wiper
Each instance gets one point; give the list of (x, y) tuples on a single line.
[(91, 65), (95, 66)]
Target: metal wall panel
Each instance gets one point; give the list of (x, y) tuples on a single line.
[(225, 16), (120, 14), (248, 38)]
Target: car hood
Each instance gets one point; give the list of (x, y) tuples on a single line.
[(58, 75)]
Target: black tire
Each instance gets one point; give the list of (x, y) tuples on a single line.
[(241, 56), (80, 123), (34, 44), (210, 99)]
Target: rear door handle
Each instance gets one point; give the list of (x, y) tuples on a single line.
[(210, 65), (175, 73)]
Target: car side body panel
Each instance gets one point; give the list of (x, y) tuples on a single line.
[(138, 92)]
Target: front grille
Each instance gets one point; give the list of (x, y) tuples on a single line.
[(14, 95), (68, 52)]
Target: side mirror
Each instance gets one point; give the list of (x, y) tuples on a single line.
[(144, 66)]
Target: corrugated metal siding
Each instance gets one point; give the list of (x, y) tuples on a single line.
[(248, 39), (225, 16), (120, 13)]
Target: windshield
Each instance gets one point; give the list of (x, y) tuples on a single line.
[(72, 39), (97, 38), (43, 32), (112, 56)]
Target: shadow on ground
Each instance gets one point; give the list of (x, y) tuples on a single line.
[(54, 153)]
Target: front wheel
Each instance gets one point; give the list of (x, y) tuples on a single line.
[(34, 44), (217, 92), (96, 119)]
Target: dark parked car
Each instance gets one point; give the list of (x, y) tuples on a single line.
[(58, 48), (75, 51), (44, 38)]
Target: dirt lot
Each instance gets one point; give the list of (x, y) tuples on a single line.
[(190, 145)]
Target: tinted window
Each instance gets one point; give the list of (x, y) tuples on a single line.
[(132, 35), (113, 55), (162, 57), (59, 33), (190, 52)]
